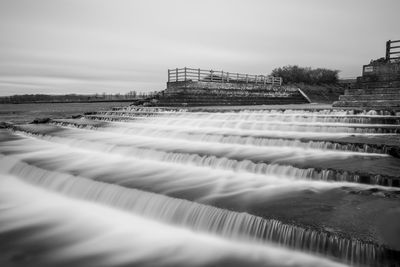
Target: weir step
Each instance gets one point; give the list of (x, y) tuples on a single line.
[(195, 104), (230, 97), (369, 84), (320, 171), (227, 102), (231, 100), (356, 97), (356, 119), (378, 104), (372, 91), (337, 125)]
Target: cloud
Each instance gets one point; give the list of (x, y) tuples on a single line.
[(124, 45)]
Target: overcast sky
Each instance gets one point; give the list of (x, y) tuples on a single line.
[(89, 46)]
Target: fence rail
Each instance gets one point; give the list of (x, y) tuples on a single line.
[(392, 51), (189, 74)]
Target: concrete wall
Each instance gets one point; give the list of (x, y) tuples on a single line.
[(216, 85), (378, 88), (231, 88), (192, 93), (380, 72)]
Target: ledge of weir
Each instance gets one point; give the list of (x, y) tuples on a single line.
[(322, 230), (359, 176)]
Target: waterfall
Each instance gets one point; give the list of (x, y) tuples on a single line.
[(203, 169), (230, 139), (133, 186), (324, 116), (262, 126), (154, 151), (41, 228), (198, 217)]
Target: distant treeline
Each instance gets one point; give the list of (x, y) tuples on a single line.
[(307, 75), (43, 98)]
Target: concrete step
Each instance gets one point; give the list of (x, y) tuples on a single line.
[(370, 97), (194, 104), (231, 99), (224, 103), (366, 84), (221, 96), (370, 104), (207, 99), (372, 91)]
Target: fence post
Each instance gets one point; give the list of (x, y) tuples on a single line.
[(176, 74), (222, 76), (227, 76), (168, 74), (237, 77), (199, 75), (388, 44), (211, 71), (185, 73), (247, 78), (264, 79), (256, 79)]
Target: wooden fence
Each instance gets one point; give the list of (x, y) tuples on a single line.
[(392, 51), (188, 74)]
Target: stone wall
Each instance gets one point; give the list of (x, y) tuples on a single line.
[(192, 85), (378, 88), (213, 93), (380, 72), (230, 88)]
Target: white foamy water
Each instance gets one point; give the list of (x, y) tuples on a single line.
[(155, 189), (202, 178), (84, 233), (272, 151), (258, 128), (322, 121), (265, 138)]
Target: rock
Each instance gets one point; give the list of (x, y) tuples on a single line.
[(41, 120), (5, 125), (394, 152), (76, 116), (379, 194)]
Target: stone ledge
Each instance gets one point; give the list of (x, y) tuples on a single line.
[(357, 97), (372, 91), (378, 104)]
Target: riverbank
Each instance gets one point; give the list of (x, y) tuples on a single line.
[(22, 113)]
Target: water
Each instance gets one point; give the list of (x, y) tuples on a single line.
[(257, 140), (203, 219), (175, 188), (61, 231)]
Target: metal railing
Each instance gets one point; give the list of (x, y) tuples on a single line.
[(392, 52), (189, 74)]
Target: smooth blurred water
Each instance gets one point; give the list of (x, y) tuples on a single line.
[(173, 188)]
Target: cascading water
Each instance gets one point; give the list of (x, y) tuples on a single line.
[(199, 217), (234, 183), (238, 139), (53, 230)]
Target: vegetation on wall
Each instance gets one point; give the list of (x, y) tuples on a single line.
[(295, 74)]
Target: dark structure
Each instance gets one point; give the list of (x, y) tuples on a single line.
[(392, 52), (379, 85), (196, 87)]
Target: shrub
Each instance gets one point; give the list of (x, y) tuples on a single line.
[(307, 75)]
